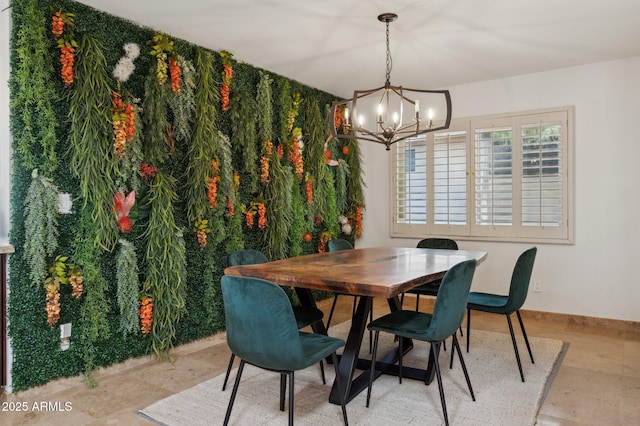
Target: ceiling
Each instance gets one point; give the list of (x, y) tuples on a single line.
[(336, 45)]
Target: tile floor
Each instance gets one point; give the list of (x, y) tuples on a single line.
[(597, 384)]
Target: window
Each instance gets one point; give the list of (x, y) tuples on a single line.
[(503, 177)]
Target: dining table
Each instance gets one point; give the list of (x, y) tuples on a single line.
[(367, 273)]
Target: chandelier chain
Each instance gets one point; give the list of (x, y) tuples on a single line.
[(389, 60)]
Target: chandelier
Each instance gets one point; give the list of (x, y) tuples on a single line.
[(390, 113)]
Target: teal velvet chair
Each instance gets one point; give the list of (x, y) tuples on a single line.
[(431, 289), (338, 244), (506, 305), (448, 313), (304, 315), (262, 331)]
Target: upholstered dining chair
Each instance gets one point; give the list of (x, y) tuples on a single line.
[(430, 289), (262, 331), (506, 305), (448, 313), (304, 315), (338, 244)]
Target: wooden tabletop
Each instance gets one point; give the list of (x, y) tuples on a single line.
[(376, 271)]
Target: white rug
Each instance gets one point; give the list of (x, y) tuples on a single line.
[(501, 397)]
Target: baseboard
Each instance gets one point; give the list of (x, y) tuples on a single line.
[(567, 319)]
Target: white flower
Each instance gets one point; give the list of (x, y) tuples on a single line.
[(346, 229), (123, 70), (342, 219), (300, 143), (131, 50)]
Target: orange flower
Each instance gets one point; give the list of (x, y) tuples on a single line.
[(337, 118), (147, 171), (262, 216), (53, 304), (249, 218), (345, 149), (57, 24), (76, 285), (230, 209), (296, 158), (212, 192), (358, 222), (174, 71), (264, 169), (309, 186), (66, 60), (146, 314), (202, 238)]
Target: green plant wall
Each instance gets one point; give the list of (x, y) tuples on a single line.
[(66, 132)]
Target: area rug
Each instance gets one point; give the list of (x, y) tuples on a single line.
[(501, 397)]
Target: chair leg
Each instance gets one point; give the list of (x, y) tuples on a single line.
[(370, 332), (436, 364), (229, 367), (468, 327), (233, 393), (515, 346), (324, 380), (334, 358), (453, 350), (283, 387), (401, 350), (524, 334), (333, 306), (401, 300), (456, 347), (291, 377), (373, 365)]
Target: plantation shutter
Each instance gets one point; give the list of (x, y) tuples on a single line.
[(493, 176), (411, 181), (450, 181), (544, 176)]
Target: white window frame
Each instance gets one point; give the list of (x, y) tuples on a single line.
[(516, 232)]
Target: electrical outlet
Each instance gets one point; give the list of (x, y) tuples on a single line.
[(537, 285), (65, 336)]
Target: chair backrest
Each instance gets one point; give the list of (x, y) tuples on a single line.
[(451, 303), (438, 243), (520, 280), (338, 244), (246, 257), (261, 327)]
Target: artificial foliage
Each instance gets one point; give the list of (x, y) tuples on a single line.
[(92, 158), (142, 133), (34, 122), (41, 224), (128, 287), (165, 258)]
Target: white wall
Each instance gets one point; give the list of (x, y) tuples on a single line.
[(597, 275), (5, 145)]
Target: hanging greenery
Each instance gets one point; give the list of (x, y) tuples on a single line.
[(265, 108), (284, 108), (94, 326), (342, 175), (183, 105), (201, 151), (165, 260), (278, 200), (92, 158), (34, 122), (158, 145), (41, 225), (298, 228), (129, 167), (128, 287), (315, 163), (243, 137)]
